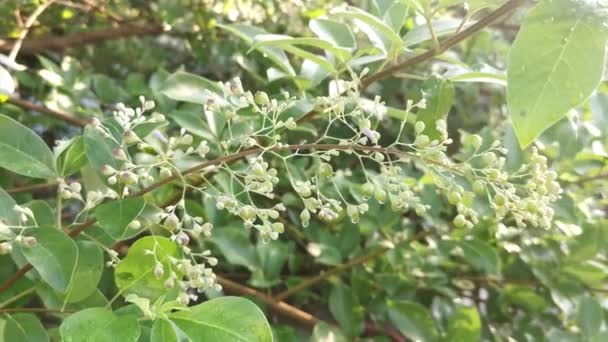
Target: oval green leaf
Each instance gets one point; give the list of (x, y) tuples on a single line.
[(135, 273), (556, 61), (224, 319), (22, 151), (99, 325), (114, 217)]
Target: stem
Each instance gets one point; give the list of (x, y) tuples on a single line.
[(37, 310), (28, 24), (228, 159), (344, 267), (58, 210), (17, 296), (49, 112), (446, 44)]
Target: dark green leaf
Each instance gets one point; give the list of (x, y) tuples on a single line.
[(23, 327), (344, 306)]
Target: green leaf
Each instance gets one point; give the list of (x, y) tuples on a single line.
[(481, 255), (54, 257), (421, 33), (395, 16), (43, 213), (413, 320), (464, 325), (187, 87), (556, 61), (162, 331), (107, 89), (523, 297), (439, 95), (234, 244), (23, 151), (590, 316), (73, 158), (381, 35), (7, 213), (193, 122), (135, 273), (99, 325), (224, 319), (248, 34), (467, 76), (87, 274), (98, 149), (288, 43), (23, 327), (344, 306), (334, 32), (324, 332), (115, 216)]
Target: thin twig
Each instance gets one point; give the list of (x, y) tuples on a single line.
[(28, 24), (282, 308), (37, 310), (49, 112), (32, 187), (59, 43), (343, 267), (221, 160), (446, 44)]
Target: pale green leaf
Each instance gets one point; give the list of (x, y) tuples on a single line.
[(87, 274), (556, 61), (23, 151), (590, 316), (334, 32), (248, 34), (464, 325), (187, 87), (224, 319), (481, 255), (413, 320), (99, 325), (135, 273)]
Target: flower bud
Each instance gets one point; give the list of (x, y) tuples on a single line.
[(261, 98), (119, 154), (135, 224), (499, 199), (247, 213), (130, 137), (460, 221), (107, 170), (30, 241), (5, 248), (128, 177), (380, 195), (112, 180), (478, 187), (305, 217), (422, 140), (186, 139), (182, 238), (159, 270), (171, 222), (419, 127), (454, 197)]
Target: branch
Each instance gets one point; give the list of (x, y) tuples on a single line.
[(37, 310), (72, 120), (28, 24), (32, 187), (59, 43), (341, 268), (446, 44), (279, 307), (221, 160)]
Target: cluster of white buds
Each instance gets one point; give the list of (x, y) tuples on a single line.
[(197, 277), (96, 197), (69, 191), (540, 189), (128, 118), (261, 179)]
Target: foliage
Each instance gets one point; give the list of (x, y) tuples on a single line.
[(382, 170)]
